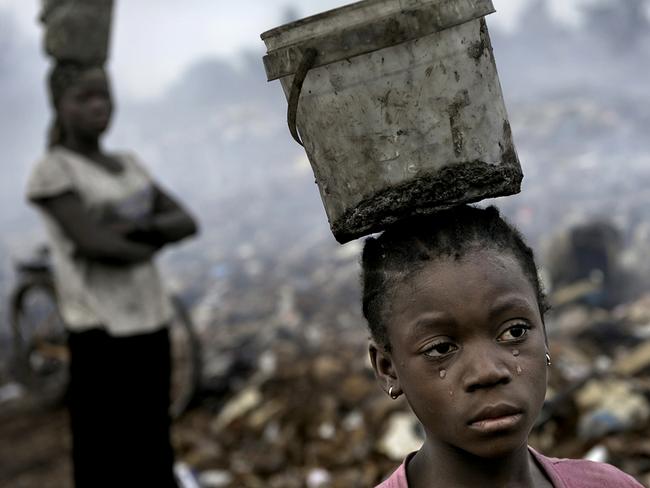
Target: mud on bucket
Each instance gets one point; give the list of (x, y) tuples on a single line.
[(399, 107)]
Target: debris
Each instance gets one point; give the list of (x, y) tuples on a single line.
[(318, 478), (236, 408), (597, 454), (215, 479), (10, 392), (611, 407), (401, 437), (635, 361), (599, 402), (184, 476)]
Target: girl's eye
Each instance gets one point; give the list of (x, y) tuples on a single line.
[(88, 95), (514, 333), (441, 349)]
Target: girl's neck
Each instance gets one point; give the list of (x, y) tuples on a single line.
[(92, 151), (437, 465), (89, 147)]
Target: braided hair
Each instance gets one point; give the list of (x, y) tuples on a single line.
[(407, 246)]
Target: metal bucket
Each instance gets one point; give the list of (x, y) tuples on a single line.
[(399, 107), (77, 30)]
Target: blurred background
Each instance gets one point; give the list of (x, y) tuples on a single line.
[(285, 397)]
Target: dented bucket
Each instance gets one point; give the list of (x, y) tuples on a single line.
[(399, 107)]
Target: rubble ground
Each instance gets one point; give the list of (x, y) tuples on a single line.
[(289, 400)]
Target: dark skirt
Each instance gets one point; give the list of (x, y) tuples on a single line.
[(119, 409)]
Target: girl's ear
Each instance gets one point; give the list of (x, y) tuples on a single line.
[(384, 367)]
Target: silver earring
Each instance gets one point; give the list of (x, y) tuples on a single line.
[(548, 359), (394, 396)]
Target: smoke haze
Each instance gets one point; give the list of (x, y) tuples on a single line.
[(216, 136)]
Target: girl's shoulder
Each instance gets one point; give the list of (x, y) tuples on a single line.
[(58, 154), (564, 473), (50, 176), (78, 163), (580, 473), (396, 480)]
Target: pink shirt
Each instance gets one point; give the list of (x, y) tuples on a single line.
[(563, 473)]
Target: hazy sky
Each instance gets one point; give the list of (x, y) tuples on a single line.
[(155, 39)]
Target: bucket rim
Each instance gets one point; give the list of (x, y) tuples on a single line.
[(313, 18), (388, 23)]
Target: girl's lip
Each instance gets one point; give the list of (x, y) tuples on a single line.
[(494, 418), (494, 411), (497, 424)]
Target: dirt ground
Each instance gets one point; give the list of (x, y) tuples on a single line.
[(35, 449)]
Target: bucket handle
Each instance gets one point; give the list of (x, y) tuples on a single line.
[(308, 59)]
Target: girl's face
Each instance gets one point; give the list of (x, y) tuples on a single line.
[(468, 351), (85, 108)]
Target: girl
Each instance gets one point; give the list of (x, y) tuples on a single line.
[(106, 219), (455, 310)]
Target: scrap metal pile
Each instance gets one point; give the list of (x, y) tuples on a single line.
[(598, 398), (289, 397)]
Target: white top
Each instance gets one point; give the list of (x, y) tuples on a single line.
[(125, 299)]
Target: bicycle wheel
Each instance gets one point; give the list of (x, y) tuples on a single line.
[(41, 358), (186, 359)]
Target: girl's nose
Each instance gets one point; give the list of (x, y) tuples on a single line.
[(484, 368)]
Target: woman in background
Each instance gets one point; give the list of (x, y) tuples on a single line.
[(106, 220)]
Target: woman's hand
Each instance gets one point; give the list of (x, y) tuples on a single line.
[(170, 222), (141, 230), (100, 241)]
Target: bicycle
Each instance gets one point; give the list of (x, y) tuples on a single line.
[(40, 354)]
